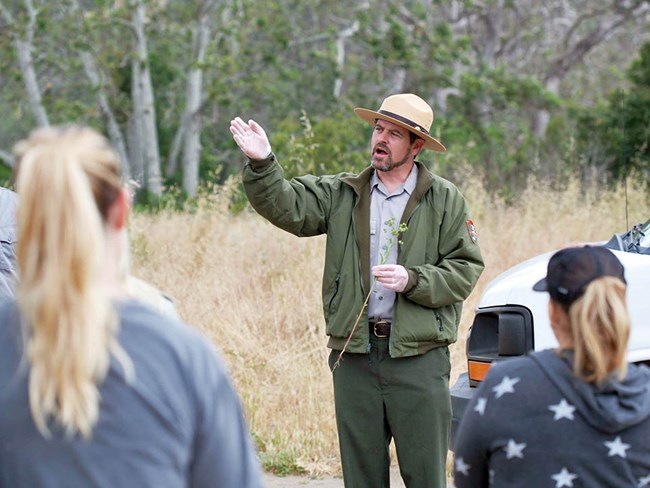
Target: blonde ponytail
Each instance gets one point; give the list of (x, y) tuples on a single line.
[(600, 326), (67, 179)]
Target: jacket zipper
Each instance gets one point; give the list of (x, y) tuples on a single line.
[(336, 291), (439, 320)]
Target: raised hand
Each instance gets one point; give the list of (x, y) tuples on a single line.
[(250, 138)]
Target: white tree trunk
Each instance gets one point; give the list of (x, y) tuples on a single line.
[(114, 132), (543, 116), (26, 62), (192, 115), (135, 134), (340, 56), (153, 177), (23, 50), (177, 145)]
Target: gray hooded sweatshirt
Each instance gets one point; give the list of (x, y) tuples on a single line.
[(532, 423), (8, 206), (177, 424)]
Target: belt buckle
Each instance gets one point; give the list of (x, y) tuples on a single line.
[(374, 328)]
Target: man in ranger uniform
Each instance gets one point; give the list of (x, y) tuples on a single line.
[(391, 368)]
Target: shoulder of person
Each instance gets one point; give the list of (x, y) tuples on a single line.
[(442, 184), (141, 323), (8, 205), (148, 294), (519, 367), (436, 184)]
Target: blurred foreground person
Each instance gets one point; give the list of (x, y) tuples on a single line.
[(8, 204), (133, 287), (578, 416), (97, 389)]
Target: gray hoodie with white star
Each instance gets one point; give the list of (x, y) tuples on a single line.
[(532, 423)]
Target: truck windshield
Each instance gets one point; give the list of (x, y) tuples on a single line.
[(636, 240)]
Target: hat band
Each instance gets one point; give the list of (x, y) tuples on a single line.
[(404, 120)]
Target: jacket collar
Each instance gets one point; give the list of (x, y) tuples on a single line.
[(362, 180)]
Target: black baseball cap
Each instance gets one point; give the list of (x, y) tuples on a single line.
[(570, 270)]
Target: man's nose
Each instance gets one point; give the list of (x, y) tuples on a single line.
[(381, 137)]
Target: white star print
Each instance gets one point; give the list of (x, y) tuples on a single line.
[(564, 478), (645, 481), (462, 466), (480, 405), (563, 410), (506, 386), (514, 450), (617, 447)]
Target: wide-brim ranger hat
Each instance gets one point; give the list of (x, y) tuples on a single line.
[(570, 270), (406, 110)]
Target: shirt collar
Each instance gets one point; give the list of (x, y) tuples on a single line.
[(408, 186)]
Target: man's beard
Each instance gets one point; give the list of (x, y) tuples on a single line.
[(387, 163)]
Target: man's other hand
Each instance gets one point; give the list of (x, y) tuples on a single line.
[(391, 276)]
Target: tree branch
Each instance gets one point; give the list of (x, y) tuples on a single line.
[(6, 14), (115, 134), (566, 41), (31, 25), (576, 52)]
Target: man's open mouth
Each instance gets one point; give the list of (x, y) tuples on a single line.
[(380, 151)]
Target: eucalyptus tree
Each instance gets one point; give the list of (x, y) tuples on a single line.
[(23, 30), (510, 79)]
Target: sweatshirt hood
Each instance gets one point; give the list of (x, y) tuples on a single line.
[(611, 407), (8, 207)]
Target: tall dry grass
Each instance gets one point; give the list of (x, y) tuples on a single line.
[(255, 291)]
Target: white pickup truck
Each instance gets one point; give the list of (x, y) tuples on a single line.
[(512, 319)]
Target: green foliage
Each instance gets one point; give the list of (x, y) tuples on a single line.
[(616, 134), (276, 459), (278, 63), (5, 176), (328, 145), (281, 463), (639, 72)]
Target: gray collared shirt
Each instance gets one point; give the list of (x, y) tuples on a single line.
[(385, 206)]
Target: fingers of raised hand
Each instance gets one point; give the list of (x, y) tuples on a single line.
[(256, 128)]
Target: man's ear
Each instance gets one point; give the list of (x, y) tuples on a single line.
[(119, 212), (417, 146)]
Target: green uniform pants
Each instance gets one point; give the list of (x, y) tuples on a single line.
[(378, 398)]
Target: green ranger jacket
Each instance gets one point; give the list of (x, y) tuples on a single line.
[(439, 249)]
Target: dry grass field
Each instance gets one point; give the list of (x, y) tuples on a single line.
[(255, 291)]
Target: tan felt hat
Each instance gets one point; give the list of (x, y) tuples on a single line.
[(408, 111)]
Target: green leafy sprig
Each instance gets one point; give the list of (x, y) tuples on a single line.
[(395, 232)]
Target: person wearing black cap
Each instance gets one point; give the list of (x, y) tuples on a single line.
[(571, 417), (391, 373)]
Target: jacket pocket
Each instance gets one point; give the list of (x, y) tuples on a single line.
[(334, 298), (447, 320), (8, 270), (7, 252)]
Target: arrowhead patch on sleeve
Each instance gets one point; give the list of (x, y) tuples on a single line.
[(471, 229)]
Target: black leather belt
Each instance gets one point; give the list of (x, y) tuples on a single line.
[(380, 328)]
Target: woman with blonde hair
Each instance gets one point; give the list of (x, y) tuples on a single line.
[(97, 389), (578, 416)]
